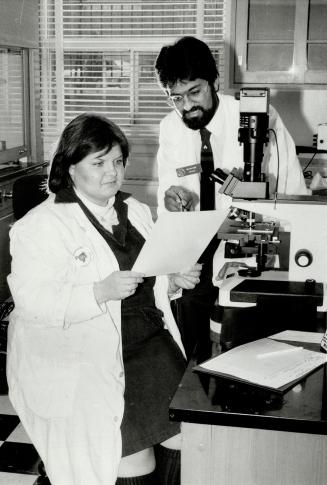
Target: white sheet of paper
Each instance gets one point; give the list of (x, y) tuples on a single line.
[(177, 240), (278, 369), (298, 336)]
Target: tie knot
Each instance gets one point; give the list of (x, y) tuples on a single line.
[(205, 136)]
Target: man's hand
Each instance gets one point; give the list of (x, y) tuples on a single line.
[(178, 198)]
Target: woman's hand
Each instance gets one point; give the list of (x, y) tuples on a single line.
[(117, 286), (186, 279)]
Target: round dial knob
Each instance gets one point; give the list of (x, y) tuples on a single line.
[(303, 258)]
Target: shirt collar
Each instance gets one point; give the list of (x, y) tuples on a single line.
[(106, 215), (215, 125), (97, 210)]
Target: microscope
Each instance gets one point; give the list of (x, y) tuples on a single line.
[(272, 254)]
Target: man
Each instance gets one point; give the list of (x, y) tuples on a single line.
[(188, 74)]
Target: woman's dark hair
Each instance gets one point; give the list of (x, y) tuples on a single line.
[(188, 59), (85, 134)]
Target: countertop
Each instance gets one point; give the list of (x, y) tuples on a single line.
[(14, 170), (204, 399)]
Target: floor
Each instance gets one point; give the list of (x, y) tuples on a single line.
[(18, 457)]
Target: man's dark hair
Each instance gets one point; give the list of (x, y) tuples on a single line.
[(85, 134), (188, 59)]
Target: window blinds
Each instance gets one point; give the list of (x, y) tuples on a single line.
[(99, 56)]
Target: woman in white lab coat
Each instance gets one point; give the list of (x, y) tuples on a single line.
[(88, 335)]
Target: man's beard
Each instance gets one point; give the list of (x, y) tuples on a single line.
[(200, 122)]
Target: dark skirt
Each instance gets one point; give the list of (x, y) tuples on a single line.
[(154, 366)]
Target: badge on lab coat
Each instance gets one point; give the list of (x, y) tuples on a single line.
[(82, 256), (188, 170)]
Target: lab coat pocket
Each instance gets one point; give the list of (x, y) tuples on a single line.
[(49, 387)]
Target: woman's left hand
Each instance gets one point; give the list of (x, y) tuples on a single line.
[(186, 279)]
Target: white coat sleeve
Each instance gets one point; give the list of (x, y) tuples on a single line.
[(163, 303), (283, 165), (42, 279), (166, 161)]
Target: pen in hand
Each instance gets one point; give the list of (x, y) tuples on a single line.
[(278, 353), (181, 202)]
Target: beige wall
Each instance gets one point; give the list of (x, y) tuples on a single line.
[(301, 112), (141, 178)]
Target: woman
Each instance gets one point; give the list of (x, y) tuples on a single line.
[(87, 333)]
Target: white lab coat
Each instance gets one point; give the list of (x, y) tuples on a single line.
[(64, 364), (179, 146)]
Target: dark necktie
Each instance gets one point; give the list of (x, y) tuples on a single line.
[(207, 187)]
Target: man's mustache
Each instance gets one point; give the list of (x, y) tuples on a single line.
[(195, 108)]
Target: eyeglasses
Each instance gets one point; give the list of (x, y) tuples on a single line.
[(194, 94)]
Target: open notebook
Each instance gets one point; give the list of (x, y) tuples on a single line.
[(266, 363)]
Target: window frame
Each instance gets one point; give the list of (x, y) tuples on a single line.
[(300, 76), (24, 150)]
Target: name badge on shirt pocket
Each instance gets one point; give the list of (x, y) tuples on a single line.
[(188, 170)]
